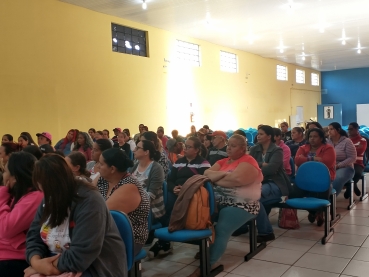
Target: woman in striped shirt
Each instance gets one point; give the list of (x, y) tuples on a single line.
[(345, 156)]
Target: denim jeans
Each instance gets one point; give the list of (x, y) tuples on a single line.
[(229, 220), (343, 175), (270, 193)]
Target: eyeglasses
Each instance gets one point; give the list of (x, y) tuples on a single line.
[(138, 147), (188, 146)]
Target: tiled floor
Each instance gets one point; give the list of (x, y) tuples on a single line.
[(294, 253)]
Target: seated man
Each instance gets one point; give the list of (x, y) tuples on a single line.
[(175, 150), (177, 137), (219, 149)]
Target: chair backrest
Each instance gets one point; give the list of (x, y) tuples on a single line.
[(209, 188), (313, 176), (126, 232), (249, 137), (293, 168)]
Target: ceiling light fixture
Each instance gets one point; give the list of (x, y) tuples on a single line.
[(343, 37), (358, 47), (144, 5), (281, 47)]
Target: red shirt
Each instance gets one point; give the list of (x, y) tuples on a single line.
[(360, 145), (164, 140), (326, 152)]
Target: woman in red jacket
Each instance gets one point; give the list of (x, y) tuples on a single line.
[(319, 151)]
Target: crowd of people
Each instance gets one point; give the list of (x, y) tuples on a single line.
[(53, 197)]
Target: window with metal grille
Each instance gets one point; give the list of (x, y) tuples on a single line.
[(128, 40), (282, 72), (228, 62), (314, 79), (300, 76), (188, 52)]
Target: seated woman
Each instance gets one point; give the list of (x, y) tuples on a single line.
[(313, 125), (316, 150), (7, 138), (77, 163), (29, 138), (98, 147), (237, 188), (122, 145), (66, 144), (286, 150), (34, 150), (19, 200), (360, 144), (62, 227), (275, 184), (23, 141), (184, 168), (84, 145), (297, 140), (163, 161), (124, 193), (150, 174), (6, 149), (345, 157)]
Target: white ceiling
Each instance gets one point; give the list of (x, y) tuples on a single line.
[(260, 26)]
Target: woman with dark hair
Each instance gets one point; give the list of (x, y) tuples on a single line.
[(84, 145), (286, 150), (297, 140), (275, 184), (319, 151), (99, 135), (62, 226), (122, 192), (313, 125), (30, 139), (7, 138), (77, 163), (23, 141), (19, 200), (360, 144), (6, 149), (92, 133), (66, 144), (207, 141), (184, 168), (34, 150), (345, 157), (150, 174), (153, 137), (98, 147)]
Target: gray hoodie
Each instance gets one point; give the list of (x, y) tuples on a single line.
[(96, 244)]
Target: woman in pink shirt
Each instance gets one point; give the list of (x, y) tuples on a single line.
[(286, 150), (84, 145), (19, 200)]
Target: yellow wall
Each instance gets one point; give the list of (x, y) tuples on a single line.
[(58, 72)]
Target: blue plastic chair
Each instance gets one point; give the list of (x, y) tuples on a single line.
[(126, 232), (314, 177), (202, 236), (250, 138)]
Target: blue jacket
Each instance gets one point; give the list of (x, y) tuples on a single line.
[(67, 149)]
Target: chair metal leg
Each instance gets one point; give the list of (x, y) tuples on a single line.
[(205, 267), (138, 268), (352, 202), (254, 248), (334, 216), (364, 193), (328, 231)]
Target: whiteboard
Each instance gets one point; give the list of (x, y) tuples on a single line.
[(362, 114)]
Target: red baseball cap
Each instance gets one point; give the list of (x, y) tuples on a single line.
[(219, 133)]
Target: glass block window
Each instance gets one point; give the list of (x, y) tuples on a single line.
[(128, 40), (314, 79), (282, 73), (188, 52), (228, 62), (300, 76)]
